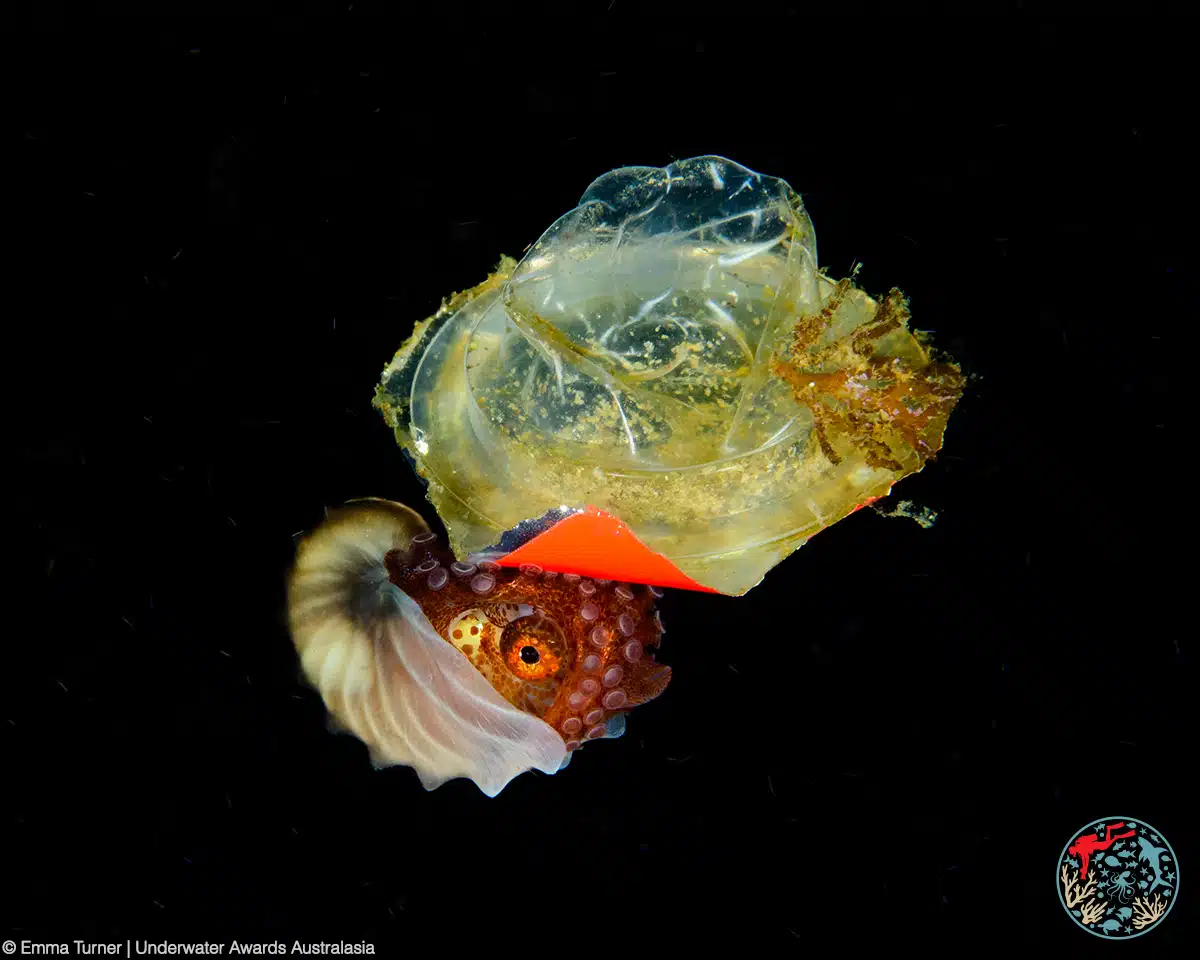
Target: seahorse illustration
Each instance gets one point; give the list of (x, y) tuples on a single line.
[(1150, 853)]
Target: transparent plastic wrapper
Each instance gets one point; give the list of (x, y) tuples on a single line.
[(670, 353)]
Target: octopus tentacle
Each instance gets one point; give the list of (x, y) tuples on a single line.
[(608, 670), (459, 668), (387, 676)]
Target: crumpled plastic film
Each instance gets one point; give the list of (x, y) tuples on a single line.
[(669, 352)]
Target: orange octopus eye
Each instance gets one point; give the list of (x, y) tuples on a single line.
[(530, 658), (534, 648)]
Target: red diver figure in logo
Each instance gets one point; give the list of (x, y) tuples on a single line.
[(1089, 843)]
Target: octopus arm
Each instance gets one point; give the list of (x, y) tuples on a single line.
[(387, 675)]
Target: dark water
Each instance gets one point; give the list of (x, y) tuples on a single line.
[(226, 226)]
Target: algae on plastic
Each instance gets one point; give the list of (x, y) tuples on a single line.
[(670, 352)]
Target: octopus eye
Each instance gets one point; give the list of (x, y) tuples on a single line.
[(531, 659), (533, 648)]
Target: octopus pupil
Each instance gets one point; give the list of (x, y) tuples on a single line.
[(530, 654)]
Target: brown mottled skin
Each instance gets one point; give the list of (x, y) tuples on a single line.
[(561, 637)]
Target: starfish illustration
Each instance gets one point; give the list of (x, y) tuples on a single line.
[(1170, 876), (1126, 930), (1154, 837), (1142, 831)]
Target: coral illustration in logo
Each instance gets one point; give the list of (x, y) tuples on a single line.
[(1118, 878)]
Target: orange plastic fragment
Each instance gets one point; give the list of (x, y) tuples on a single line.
[(597, 544)]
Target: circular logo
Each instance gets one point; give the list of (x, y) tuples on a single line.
[(1118, 878)]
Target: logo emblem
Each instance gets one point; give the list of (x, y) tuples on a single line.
[(1118, 878)]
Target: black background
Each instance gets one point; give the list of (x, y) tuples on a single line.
[(227, 224)]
